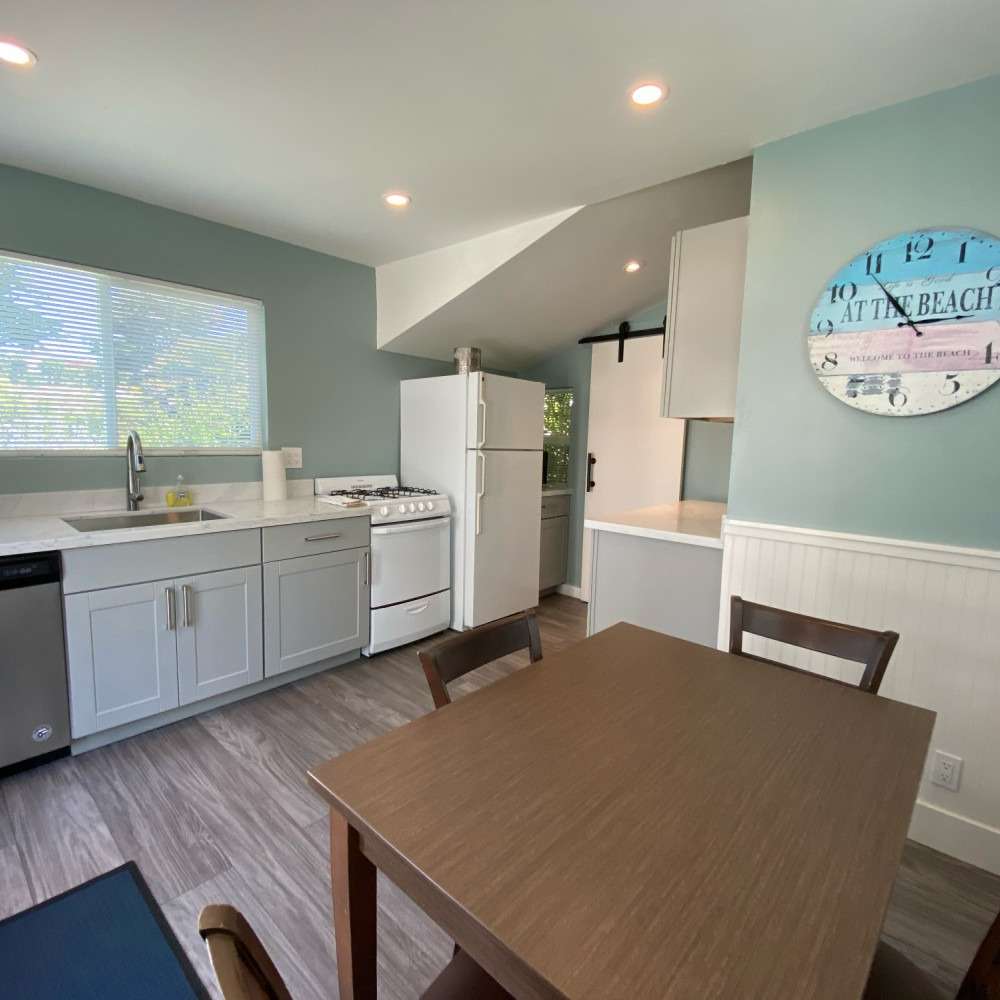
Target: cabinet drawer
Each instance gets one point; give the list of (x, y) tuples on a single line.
[(555, 506), (288, 541), (125, 563)]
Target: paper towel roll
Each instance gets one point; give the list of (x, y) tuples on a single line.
[(273, 465)]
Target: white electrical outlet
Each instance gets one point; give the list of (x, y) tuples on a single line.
[(292, 457), (946, 770)]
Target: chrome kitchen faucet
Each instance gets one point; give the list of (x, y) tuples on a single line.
[(136, 464)]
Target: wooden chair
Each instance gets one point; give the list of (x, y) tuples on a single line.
[(242, 965), (849, 642), (245, 970), (468, 650), (895, 977)]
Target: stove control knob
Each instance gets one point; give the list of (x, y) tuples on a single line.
[(430, 504), (413, 508), (383, 511), (402, 508), (420, 506)]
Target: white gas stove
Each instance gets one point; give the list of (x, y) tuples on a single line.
[(385, 499), (410, 555)]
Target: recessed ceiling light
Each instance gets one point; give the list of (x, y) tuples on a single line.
[(648, 93), (16, 54), (633, 265), (396, 199)]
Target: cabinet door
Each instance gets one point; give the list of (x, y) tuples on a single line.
[(315, 607), (704, 315), (219, 632), (552, 563), (122, 655)]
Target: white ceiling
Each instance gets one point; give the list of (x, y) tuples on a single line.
[(292, 119)]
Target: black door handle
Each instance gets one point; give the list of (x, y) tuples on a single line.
[(591, 462)]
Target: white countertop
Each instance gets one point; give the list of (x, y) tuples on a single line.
[(695, 522), (48, 531), (556, 491)]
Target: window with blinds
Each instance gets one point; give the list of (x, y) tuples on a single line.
[(87, 355)]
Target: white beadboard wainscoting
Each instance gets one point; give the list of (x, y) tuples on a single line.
[(945, 604)]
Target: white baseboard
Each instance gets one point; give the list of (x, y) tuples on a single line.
[(958, 836), (569, 590)]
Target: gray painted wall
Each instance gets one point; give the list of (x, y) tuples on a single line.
[(801, 457), (328, 389), (708, 451)]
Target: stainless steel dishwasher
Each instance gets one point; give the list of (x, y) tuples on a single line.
[(34, 701)]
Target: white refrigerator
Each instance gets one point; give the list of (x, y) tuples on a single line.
[(478, 438)]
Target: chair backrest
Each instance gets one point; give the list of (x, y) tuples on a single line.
[(467, 650), (982, 981), (849, 642), (242, 966)]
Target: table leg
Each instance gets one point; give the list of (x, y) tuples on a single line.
[(353, 877)]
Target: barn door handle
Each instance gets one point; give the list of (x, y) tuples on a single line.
[(591, 462)]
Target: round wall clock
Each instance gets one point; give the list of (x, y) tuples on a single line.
[(911, 325)]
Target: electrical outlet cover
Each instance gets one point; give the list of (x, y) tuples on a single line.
[(946, 770), (292, 457)]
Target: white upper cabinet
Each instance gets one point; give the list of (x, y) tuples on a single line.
[(704, 313)]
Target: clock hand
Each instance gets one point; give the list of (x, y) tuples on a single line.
[(898, 307), (941, 319)]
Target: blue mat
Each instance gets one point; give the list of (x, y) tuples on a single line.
[(104, 940)]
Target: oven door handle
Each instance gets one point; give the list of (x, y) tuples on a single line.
[(402, 529)]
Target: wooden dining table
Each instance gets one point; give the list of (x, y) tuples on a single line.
[(635, 817)]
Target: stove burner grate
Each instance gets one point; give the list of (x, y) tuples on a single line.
[(384, 493)]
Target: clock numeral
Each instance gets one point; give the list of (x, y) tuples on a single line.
[(829, 362), (874, 264), (950, 380), (898, 397), (989, 353), (844, 292), (961, 252), (919, 249), (825, 326)]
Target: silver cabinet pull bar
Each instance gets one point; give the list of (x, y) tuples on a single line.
[(171, 623), (188, 609), (322, 538)]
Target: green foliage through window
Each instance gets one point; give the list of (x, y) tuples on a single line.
[(558, 418), (87, 355)]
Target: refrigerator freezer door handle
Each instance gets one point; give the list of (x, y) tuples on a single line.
[(480, 492), (482, 413)]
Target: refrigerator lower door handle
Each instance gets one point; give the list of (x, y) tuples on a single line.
[(480, 492)]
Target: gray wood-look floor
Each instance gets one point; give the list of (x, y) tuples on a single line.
[(216, 809)]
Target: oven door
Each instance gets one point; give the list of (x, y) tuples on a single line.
[(410, 560)]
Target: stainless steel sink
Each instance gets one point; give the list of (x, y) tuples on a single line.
[(141, 519)]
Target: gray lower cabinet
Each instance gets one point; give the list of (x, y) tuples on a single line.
[(139, 650), (315, 605), (157, 624), (554, 544)]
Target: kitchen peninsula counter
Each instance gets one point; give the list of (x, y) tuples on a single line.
[(694, 522), (659, 567)]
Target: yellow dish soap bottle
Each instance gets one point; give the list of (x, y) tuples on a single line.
[(180, 495)]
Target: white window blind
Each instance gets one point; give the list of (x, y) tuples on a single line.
[(87, 355)]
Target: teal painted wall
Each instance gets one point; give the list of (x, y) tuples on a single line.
[(328, 389), (570, 369), (708, 450), (800, 456)]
